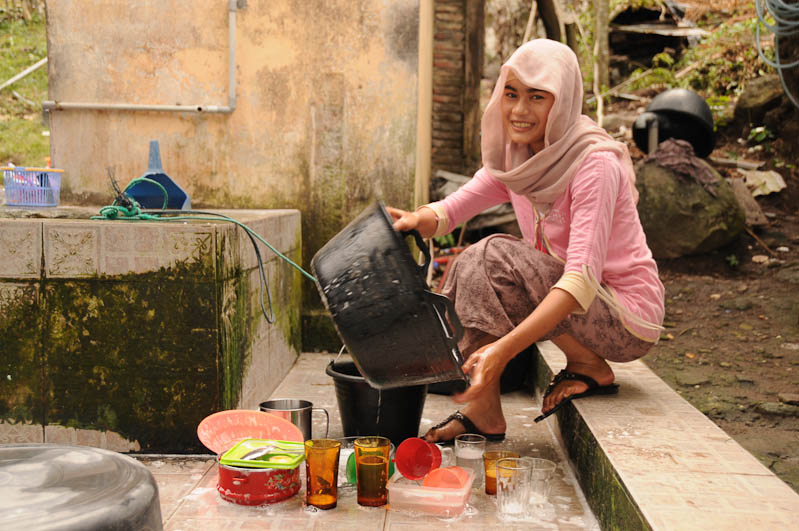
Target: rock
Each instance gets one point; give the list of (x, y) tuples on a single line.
[(691, 380), (615, 121), (744, 379), (789, 398), (776, 408), (680, 217), (789, 274), (783, 121), (759, 96)]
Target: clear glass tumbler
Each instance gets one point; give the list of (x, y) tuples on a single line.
[(513, 488), (469, 448), (541, 474)]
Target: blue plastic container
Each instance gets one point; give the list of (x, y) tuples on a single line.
[(149, 195)]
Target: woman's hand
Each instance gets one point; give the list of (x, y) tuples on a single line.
[(423, 220), (485, 366)]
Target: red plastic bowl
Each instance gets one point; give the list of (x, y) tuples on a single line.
[(220, 431), (415, 457)]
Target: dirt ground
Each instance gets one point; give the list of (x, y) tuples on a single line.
[(731, 345)]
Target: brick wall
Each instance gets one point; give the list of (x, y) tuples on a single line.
[(457, 69)]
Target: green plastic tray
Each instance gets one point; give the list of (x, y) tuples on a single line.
[(283, 455)]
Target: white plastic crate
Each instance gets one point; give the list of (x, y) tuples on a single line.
[(36, 187)]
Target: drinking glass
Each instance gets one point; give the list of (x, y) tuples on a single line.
[(513, 488), (371, 468), (490, 467), (469, 448), (347, 478), (321, 472), (543, 470)]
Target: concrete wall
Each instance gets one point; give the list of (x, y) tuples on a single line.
[(126, 335), (326, 101)]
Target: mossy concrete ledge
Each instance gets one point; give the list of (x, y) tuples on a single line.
[(125, 335), (647, 459)]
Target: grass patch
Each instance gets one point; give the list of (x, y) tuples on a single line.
[(22, 44)]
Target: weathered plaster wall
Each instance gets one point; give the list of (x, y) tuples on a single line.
[(126, 335), (326, 101)]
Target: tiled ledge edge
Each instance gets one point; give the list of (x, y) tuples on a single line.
[(647, 459)]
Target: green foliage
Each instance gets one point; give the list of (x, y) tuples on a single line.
[(725, 58), (722, 107), (22, 44), (655, 76), (445, 241), (760, 134), (732, 261), (663, 60)]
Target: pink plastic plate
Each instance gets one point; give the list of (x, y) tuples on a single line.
[(451, 477), (220, 431)]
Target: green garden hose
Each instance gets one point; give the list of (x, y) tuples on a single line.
[(125, 208)]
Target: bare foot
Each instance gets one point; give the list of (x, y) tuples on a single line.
[(487, 418), (601, 372)]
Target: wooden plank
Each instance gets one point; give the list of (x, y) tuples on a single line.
[(754, 215), (737, 163)]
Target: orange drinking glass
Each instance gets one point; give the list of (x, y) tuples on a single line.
[(490, 466), (371, 468), (321, 472)]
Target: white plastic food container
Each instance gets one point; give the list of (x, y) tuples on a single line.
[(407, 495)]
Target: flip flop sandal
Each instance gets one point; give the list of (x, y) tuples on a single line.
[(593, 389), (470, 428)]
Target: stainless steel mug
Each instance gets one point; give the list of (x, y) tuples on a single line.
[(298, 412)]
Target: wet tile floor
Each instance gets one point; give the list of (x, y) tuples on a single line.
[(189, 500)]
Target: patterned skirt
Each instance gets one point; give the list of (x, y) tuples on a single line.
[(496, 283)]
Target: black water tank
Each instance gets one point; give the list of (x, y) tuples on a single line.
[(678, 113)]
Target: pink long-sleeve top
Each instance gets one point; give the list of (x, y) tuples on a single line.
[(593, 228)]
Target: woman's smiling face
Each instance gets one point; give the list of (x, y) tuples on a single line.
[(524, 112)]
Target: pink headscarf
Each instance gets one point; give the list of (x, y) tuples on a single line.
[(569, 135)]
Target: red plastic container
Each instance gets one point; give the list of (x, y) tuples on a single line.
[(221, 431), (415, 457), (257, 486)]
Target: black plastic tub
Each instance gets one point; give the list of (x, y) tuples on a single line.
[(398, 332), (392, 413)]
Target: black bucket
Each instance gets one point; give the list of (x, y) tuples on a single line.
[(398, 332), (392, 413)]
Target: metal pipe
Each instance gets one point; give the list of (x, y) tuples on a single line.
[(652, 137), (24, 73), (51, 105)]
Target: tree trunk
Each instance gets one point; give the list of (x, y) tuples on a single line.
[(601, 55), (549, 16), (601, 45)]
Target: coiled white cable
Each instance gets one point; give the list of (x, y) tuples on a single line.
[(786, 17)]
